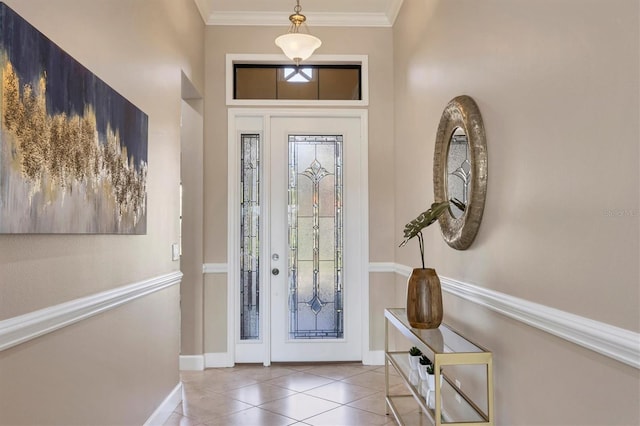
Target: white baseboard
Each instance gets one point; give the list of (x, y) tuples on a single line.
[(164, 410), (191, 362), (373, 358), (218, 359), (606, 339)]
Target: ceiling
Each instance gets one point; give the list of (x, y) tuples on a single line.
[(354, 13)]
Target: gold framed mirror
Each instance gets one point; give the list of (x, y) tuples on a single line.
[(460, 171)]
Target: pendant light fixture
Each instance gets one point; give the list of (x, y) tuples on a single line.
[(298, 46)]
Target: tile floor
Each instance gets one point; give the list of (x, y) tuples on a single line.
[(336, 394)]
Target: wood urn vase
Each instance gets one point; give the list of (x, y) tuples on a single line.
[(424, 299)]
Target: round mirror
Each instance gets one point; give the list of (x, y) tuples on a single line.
[(460, 171)]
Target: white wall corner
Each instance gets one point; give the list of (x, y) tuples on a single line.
[(218, 359), (191, 362), (164, 410)]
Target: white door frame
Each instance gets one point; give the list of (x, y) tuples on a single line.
[(242, 120)]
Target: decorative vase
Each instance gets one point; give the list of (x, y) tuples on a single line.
[(424, 299)]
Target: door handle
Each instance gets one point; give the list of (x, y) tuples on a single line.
[(275, 271)]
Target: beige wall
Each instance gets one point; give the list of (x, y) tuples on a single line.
[(374, 42), (557, 83), (192, 288), (115, 368)]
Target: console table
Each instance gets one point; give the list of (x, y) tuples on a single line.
[(447, 350)]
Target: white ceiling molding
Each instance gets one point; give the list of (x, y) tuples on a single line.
[(393, 10), (318, 19), (262, 17)]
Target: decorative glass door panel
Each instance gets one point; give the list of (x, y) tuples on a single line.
[(249, 237), (315, 295)]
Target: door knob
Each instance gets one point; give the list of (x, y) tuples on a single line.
[(275, 271)]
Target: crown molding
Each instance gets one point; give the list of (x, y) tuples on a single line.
[(317, 19), (394, 10)]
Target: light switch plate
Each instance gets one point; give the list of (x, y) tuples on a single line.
[(175, 251)]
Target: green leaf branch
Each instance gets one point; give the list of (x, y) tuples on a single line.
[(426, 218)]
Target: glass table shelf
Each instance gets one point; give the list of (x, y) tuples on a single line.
[(445, 347)]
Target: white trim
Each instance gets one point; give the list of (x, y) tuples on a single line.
[(373, 358), (362, 60), (315, 19), (364, 223), (215, 268), (234, 114), (218, 359), (614, 342), (191, 362), (164, 410), (233, 239), (394, 10), (606, 339), (20, 329)]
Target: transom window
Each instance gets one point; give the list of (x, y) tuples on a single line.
[(306, 82)]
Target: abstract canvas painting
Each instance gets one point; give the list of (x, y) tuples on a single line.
[(73, 151)]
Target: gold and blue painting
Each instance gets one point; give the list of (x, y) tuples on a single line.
[(73, 152)]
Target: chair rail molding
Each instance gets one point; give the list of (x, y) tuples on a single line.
[(606, 339), (22, 328)]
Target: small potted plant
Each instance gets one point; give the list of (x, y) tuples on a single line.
[(431, 380), (414, 357), (422, 369)]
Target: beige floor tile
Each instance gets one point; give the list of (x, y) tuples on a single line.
[(259, 393), (300, 381), (297, 366), (347, 416), (208, 408), (376, 404), (290, 394), (253, 417), (341, 392), (261, 373), (372, 380), (372, 403), (340, 371), (299, 406)]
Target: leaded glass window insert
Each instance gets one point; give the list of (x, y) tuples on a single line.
[(315, 237), (249, 237)]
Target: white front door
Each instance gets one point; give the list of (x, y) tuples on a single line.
[(303, 255), (315, 238)]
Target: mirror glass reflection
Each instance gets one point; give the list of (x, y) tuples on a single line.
[(458, 170)]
